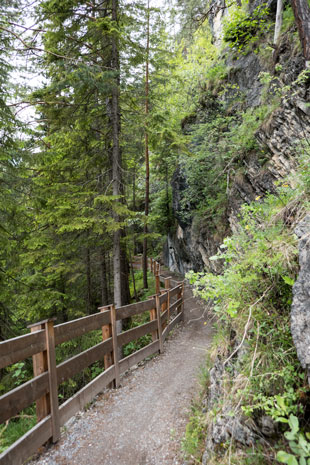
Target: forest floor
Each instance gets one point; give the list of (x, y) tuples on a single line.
[(142, 422)]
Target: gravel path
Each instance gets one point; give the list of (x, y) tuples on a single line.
[(142, 422)]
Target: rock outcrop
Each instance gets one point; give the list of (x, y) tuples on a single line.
[(229, 423), (300, 315), (195, 240)]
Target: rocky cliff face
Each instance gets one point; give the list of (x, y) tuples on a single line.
[(300, 316), (193, 241)]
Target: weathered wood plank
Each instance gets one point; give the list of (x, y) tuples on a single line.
[(175, 305), (181, 296), (115, 346), (164, 316), (85, 395), (153, 318), (39, 363), (165, 332), (135, 333), (175, 290), (159, 325), (134, 309), (52, 376), (66, 331), (22, 396), (74, 365), (163, 298), (157, 283), (174, 322), (106, 334), (128, 362), (21, 347), (28, 444)]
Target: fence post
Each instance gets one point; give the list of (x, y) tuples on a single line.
[(52, 375), (42, 362), (160, 333), (157, 268), (157, 283), (39, 362), (115, 345), (183, 293), (152, 318), (167, 287), (180, 295), (106, 334)]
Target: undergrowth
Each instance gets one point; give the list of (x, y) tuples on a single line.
[(252, 298), (194, 437)]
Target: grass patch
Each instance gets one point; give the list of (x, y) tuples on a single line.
[(16, 427)]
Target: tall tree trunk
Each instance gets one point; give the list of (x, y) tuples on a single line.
[(116, 159), (104, 284), (147, 162), (302, 18), (110, 283), (125, 291)]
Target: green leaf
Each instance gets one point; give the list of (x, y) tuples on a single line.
[(294, 423), (288, 280), (284, 457)]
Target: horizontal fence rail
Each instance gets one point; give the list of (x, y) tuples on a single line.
[(166, 309)]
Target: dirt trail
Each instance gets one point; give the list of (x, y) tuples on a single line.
[(142, 422)]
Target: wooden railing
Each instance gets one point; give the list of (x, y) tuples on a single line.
[(166, 310)]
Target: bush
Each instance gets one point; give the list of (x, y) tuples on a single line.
[(242, 28)]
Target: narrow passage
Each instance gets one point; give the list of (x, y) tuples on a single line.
[(142, 422)]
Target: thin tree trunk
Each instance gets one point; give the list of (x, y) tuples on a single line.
[(147, 162), (134, 207), (134, 282), (88, 283), (302, 18), (125, 291), (278, 24), (110, 284), (167, 200), (104, 284)]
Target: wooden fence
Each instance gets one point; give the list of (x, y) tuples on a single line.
[(166, 310)]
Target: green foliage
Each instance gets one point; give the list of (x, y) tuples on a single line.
[(252, 298), (288, 19), (16, 427), (242, 28), (217, 143), (299, 444), (194, 438)]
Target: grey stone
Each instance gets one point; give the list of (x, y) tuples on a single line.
[(300, 312), (215, 388), (268, 426)]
